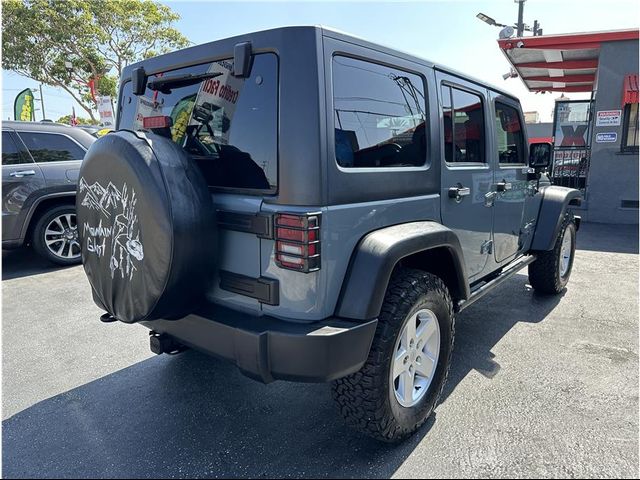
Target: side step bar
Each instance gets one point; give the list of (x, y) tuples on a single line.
[(481, 291)]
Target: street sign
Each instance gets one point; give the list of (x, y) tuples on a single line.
[(608, 118), (608, 137)]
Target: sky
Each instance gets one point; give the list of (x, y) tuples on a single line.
[(444, 32)]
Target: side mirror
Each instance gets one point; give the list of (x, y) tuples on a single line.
[(540, 155)]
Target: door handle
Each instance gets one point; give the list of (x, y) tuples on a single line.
[(458, 192), (503, 186), (22, 173)]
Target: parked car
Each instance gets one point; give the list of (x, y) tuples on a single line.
[(40, 165), (353, 202), (95, 130)]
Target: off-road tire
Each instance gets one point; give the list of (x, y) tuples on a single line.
[(38, 236), (544, 272), (366, 398)]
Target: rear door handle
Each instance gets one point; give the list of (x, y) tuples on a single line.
[(503, 186), (458, 192), (22, 173)]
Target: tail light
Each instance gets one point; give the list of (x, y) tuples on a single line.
[(298, 241)]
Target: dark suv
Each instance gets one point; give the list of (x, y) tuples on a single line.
[(314, 207), (40, 165)]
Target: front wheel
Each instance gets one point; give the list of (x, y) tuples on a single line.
[(400, 384), (55, 236), (551, 270)]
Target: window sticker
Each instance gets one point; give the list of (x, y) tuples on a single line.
[(218, 97)]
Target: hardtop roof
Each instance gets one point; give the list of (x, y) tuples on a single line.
[(202, 51), (347, 37)]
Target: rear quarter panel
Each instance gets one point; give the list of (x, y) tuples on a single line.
[(313, 296), (356, 201)]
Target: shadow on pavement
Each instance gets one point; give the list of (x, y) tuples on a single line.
[(608, 238), (192, 415), (22, 262), (189, 416), (484, 324)]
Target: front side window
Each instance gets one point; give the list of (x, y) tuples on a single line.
[(463, 129), (509, 135), (11, 155), (379, 115), (630, 129), (51, 147), (227, 124)]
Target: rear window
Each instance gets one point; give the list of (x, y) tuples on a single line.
[(228, 125)]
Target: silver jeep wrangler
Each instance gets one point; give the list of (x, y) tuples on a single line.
[(314, 207)]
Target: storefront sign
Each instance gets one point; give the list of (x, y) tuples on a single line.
[(608, 118), (105, 109), (609, 137), (570, 163), (571, 127), (571, 134)]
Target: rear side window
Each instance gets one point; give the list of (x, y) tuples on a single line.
[(10, 153), (509, 135), (379, 115), (463, 128), (228, 125), (51, 147)]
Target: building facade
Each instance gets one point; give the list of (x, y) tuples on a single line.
[(612, 194), (605, 146)]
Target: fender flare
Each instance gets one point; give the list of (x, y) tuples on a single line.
[(24, 228), (554, 204), (377, 254)]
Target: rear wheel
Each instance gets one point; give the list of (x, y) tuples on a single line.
[(552, 269), (55, 236), (400, 384)]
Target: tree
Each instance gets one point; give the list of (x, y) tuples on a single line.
[(98, 37), (66, 119)]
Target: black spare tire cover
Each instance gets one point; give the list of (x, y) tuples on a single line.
[(146, 223)]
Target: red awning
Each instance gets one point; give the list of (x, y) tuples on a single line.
[(630, 89), (563, 63)]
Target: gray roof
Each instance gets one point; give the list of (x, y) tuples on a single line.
[(203, 50), (78, 134)]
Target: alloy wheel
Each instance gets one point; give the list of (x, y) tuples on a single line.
[(61, 236), (415, 357)]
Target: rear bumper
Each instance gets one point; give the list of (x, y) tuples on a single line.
[(267, 349)]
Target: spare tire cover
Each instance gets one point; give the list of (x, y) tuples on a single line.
[(146, 224)]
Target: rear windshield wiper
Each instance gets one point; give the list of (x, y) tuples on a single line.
[(165, 84)]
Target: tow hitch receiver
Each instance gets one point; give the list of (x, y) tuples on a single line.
[(162, 343)]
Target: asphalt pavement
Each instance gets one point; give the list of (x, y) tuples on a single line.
[(540, 387)]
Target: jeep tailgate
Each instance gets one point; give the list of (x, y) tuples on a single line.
[(229, 126)]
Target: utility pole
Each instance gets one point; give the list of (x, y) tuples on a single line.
[(507, 30), (42, 103), (537, 31), (520, 23)]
